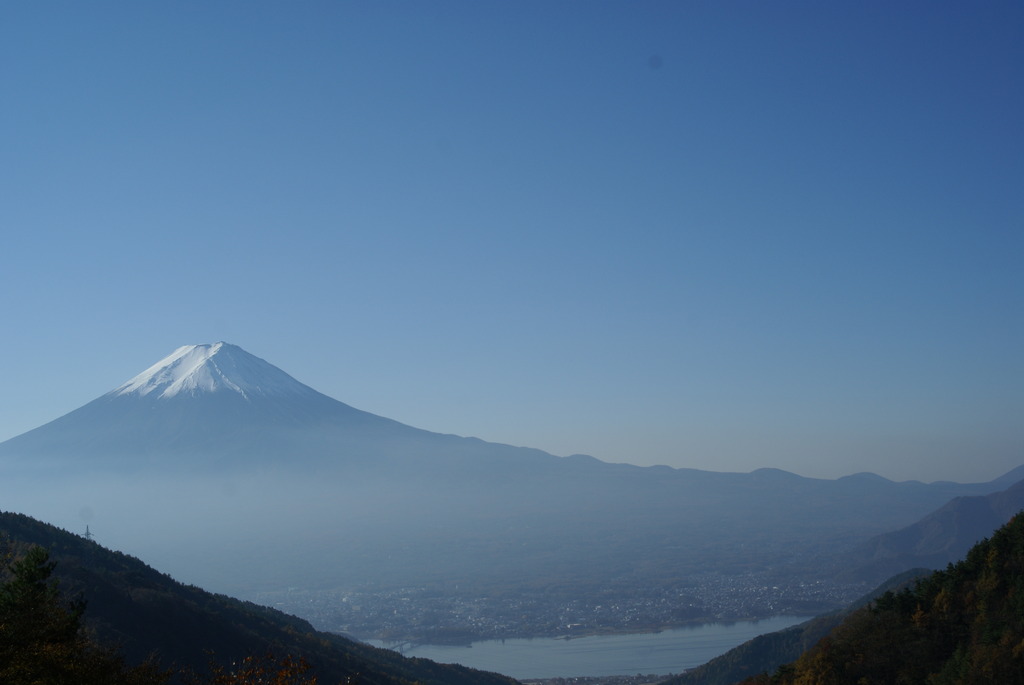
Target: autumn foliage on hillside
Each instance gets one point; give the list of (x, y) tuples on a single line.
[(963, 625)]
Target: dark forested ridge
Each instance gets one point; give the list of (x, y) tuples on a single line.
[(146, 613), (964, 624), (767, 652)]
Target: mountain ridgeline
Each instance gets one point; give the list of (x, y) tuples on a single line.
[(226, 472), (940, 538)]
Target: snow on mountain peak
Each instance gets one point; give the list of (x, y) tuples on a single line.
[(199, 369)]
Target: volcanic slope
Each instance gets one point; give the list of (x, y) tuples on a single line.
[(204, 406)]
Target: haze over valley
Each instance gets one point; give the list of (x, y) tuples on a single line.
[(224, 471)]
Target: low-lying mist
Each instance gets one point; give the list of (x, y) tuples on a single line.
[(570, 522)]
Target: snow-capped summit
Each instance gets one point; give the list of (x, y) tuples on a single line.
[(212, 404), (220, 367)]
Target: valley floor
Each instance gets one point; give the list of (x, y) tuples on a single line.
[(426, 616)]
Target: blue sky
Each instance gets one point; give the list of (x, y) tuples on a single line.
[(704, 234)]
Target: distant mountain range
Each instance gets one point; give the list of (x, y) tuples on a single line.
[(938, 539), (225, 471)]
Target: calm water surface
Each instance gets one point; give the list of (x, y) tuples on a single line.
[(669, 651)]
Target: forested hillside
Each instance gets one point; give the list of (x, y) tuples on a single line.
[(963, 625), (136, 613), (766, 652)]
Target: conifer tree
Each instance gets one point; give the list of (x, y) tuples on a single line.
[(41, 638)]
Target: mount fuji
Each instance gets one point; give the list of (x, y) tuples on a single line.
[(214, 407), (206, 369), (222, 469)]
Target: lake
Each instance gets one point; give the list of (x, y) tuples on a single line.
[(669, 651)]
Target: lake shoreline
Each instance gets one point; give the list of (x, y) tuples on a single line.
[(466, 640), (639, 679), (608, 655)]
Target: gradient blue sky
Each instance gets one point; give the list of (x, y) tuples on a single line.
[(721, 235)]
